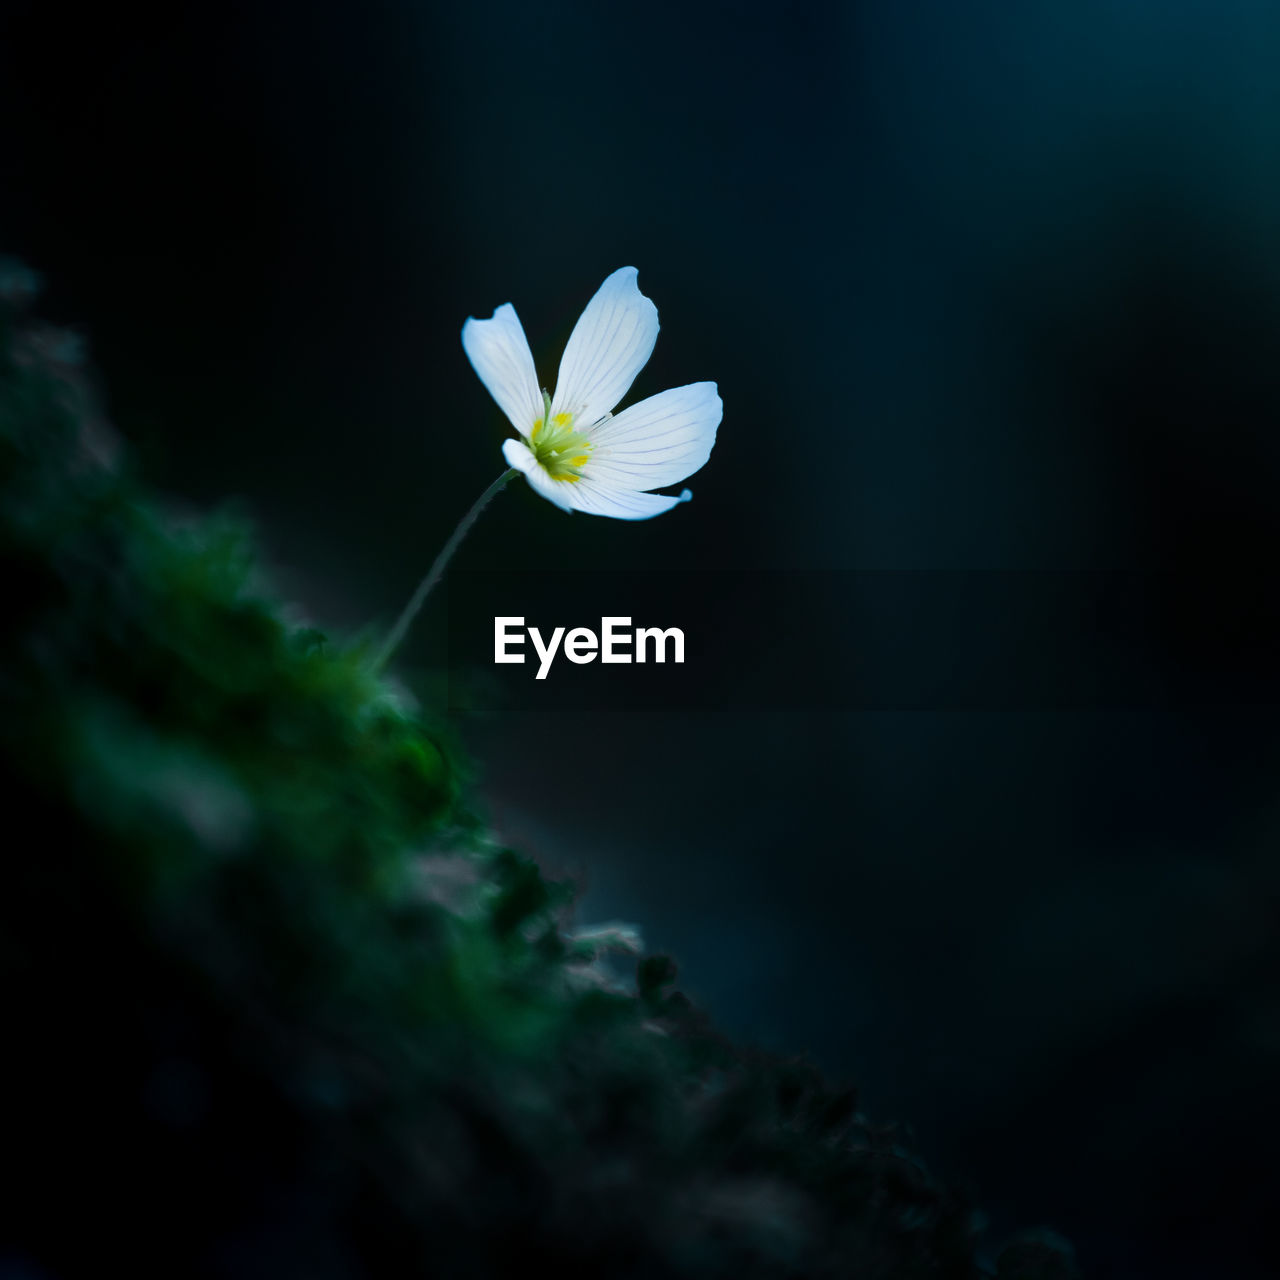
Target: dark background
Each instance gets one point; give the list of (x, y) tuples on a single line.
[(984, 286)]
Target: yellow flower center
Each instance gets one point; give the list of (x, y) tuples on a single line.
[(561, 451)]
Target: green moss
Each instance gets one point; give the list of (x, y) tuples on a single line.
[(279, 1005)]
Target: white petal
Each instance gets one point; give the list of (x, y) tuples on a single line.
[(623, 504), (499, 353), (585, 494), (659, 441), (609, 345), (519, 455)]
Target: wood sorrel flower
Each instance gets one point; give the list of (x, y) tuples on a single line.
[(572, 449)]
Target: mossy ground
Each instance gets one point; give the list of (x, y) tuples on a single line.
[(277, 1004)]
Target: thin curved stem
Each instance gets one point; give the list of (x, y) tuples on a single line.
[(436, 572)]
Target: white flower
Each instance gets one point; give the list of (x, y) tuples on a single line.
[(572, 449)]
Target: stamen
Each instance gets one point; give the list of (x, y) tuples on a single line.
[(560, 450)]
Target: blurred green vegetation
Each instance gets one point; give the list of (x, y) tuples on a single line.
[(278, 1005)]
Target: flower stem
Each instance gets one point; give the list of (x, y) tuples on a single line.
[(436, 572)]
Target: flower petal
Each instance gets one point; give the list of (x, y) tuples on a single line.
[(586, 495), (499, 353), (659, 441), (609, 345), (623, 504), (519, 455)]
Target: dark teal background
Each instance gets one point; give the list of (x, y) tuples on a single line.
[(984, 286)]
